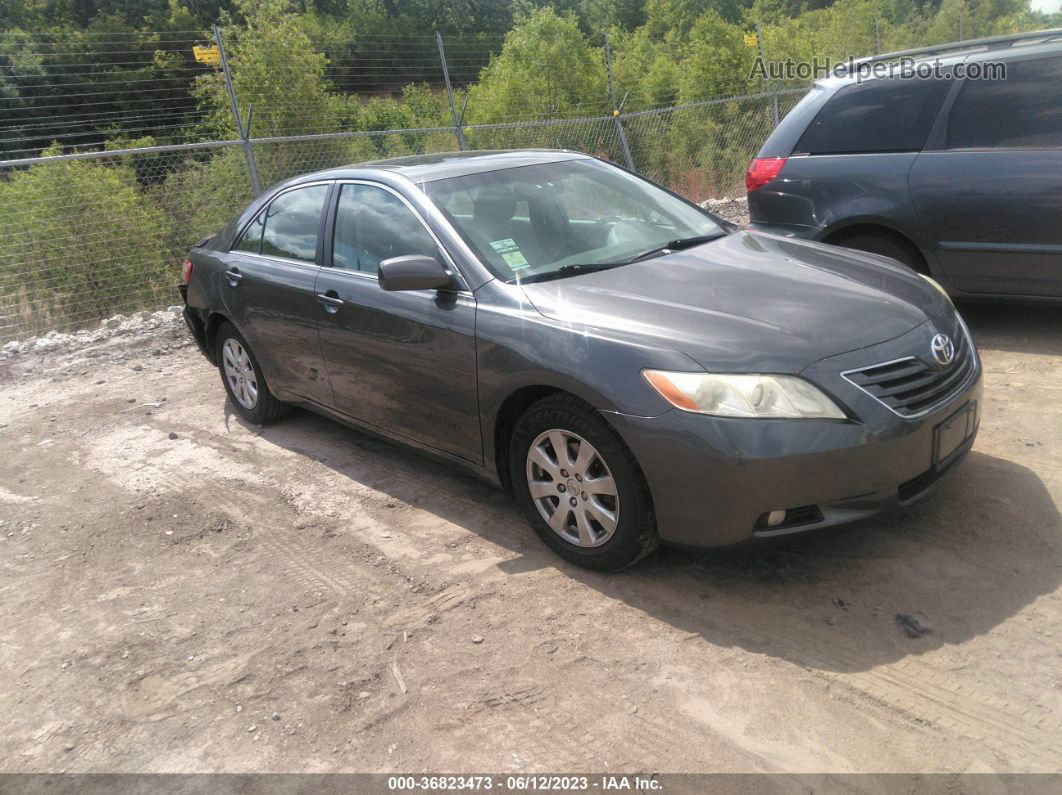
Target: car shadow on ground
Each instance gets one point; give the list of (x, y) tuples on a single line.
[(1017, 328), (967, 558)]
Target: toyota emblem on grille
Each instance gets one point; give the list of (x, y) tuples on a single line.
[(943, 349)]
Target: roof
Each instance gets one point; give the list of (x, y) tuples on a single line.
[(444, 165), (996, 48)]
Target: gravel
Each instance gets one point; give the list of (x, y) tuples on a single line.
[(116, 326), (736, 210)]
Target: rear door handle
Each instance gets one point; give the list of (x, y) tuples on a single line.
[(331, 301), (234, 276)]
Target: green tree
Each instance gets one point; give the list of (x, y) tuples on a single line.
[(979, 18), (599, 16), (717, 62), (647, 72), (280, 79), (276, 70), (546, 69), (678, 16)]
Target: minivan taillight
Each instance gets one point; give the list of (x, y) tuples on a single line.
[(186, 272), (761, 171)]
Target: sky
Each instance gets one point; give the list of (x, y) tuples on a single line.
[(1048, 6)]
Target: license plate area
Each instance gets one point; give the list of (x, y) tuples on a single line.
[(948, 436)]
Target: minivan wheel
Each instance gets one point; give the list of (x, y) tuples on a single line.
[(580, 487), (243, 379), (887, 246)]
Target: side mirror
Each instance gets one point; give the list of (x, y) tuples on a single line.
[(413, 272)]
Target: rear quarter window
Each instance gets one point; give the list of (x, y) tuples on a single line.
[(1022, 111), (884, 115)]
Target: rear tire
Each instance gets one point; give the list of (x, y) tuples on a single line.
[(591, 504), (887, 246), (243, 379)]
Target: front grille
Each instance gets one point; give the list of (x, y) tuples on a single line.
[(910, 386)]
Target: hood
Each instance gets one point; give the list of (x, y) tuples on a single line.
[(749, 302)]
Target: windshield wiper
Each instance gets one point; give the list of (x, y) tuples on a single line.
[(677, 245), (577, 268), (568, 270)]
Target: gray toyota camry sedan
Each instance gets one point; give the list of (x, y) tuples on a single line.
[(634, 369)]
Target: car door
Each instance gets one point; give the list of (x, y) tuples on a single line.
[(403, 361), (990, 193), (268, 290)]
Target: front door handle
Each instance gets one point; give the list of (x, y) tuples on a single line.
[(234, 276), (331, 301)]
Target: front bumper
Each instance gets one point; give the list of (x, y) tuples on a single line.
[(713, 479)]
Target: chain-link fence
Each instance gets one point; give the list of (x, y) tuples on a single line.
[(702, 150), (84, 236)]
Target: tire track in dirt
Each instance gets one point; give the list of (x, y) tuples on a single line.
[(920, 692), (547, 736), (307, 570), (555, 738)]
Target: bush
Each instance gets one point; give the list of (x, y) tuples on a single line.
[(78, 242)]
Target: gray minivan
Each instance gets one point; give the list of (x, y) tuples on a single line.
[(960, 179)]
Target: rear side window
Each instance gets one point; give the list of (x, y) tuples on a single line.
[(251, 239), (1024, 110), (884, 115), (292, 224)]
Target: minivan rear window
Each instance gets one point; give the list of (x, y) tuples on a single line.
[(884, 115)]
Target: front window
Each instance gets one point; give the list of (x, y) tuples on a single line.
[(545, 220), (372, 224)]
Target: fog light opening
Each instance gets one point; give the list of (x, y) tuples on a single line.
[(791, 517)]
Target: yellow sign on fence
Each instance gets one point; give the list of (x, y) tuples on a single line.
[(208, 54), (751, 40)]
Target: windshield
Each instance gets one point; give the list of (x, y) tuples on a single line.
[(552, 219)]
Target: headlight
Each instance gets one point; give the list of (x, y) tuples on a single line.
[(936, 284), (743, 395)]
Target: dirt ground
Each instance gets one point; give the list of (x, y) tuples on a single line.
[(180, 591)]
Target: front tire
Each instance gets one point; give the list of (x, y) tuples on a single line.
[(243, 379), (580, 487)]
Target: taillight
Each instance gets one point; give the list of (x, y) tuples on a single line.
[(761, 171), (186, 272)]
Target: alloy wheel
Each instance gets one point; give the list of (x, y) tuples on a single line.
[(240, 373), (572, 488)]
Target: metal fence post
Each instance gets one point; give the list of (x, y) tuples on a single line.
[(766, 86), (248, 153), (620, 132), (450, 94)]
